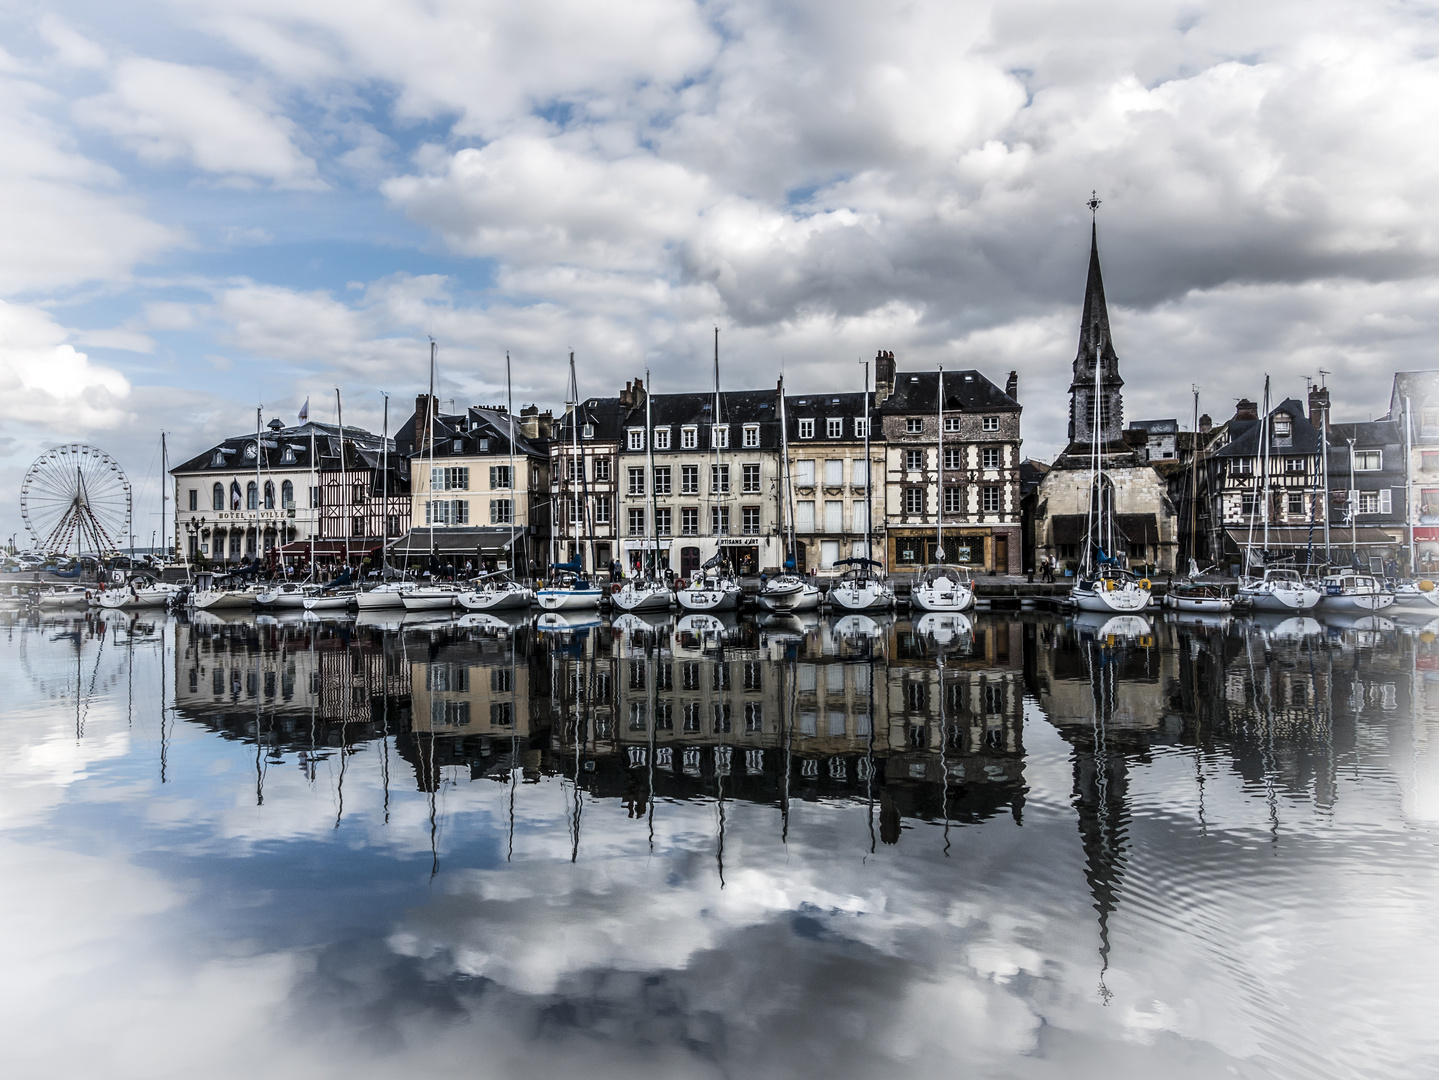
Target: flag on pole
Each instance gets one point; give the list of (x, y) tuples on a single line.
[(305, 411)]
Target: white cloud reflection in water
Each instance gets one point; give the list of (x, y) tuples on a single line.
[(182, 929)]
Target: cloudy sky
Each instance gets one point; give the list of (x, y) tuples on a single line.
[(211, 206)]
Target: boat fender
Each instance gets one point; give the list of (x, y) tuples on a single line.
[(1109, 585), (1144, 584), (1426, 585)]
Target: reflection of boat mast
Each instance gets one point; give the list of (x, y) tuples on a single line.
[(651, 646), (385, 725), (1101, 825), (944, 756), (788, 720), (582, 728), (514, 700), (259, 749), (164, 694), (869, 743)]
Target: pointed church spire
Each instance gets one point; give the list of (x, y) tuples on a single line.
[(1095, 343), (1094, 316)]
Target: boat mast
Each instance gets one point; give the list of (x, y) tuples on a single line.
[(165, 494), (654, 522), (510, 414), (432, 511), (344, 480), (1264, 464), (939, 472), (385, 489), (258, 501), (721, 527), (786, 519), (1194, 483), (868, 498)]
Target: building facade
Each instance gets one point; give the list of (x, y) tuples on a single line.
[(583, 475), (1414, 404), (951, 469), (838, 493)]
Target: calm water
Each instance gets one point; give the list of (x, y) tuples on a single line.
[(1028, 847)]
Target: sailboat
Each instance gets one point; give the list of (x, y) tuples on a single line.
[(942, 588), (389, 595), (1279, 589), (1103, 586), (859, 586), (787, 592), (649, 592), (714, 587), (569, 586), (340, 593), (495, 593), (1193, 595)]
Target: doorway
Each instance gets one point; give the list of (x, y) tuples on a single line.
[(1001, 554)]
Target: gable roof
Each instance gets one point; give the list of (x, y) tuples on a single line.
[(964, 391), (1244, 435)]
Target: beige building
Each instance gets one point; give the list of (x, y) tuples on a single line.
[(836, 514)]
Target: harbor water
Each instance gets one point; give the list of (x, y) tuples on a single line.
[(993, 846)]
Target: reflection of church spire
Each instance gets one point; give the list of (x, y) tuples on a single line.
[(1096, 346)]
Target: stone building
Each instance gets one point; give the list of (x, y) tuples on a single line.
[(475, 495), (1414, 403), (584, 484), (837, 515), (951, 463), (1137, 497)]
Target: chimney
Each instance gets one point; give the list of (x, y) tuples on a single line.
[(1319, 407), (1246, 410), (1206, 424), (627, 397), (1011, 385), (424, 404), (883, 376), (530, 422)]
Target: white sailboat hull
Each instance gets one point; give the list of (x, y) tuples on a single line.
[(642, 598), (1357, 603), (1278, 600), (508, 598), (384, 597), (944, 595), (718, 598), (222, 599), (568, 599), (786, 596), (332, 602), (1204, 605), (869, 596), (429, 599), (1121, 601)]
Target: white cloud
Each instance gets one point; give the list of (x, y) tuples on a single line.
[(168, 112), (45, 382)]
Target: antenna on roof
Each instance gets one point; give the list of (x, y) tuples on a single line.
[(1322, 373)]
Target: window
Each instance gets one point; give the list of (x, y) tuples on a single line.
[(450, 478), (314, 497), (719, 520), (859, 472), (689, 438), (689, 479), (1368, 460), (574, 469), (458, 446), (269, 495), (914, 500), (914, 425), (753, 675), (1247, 503), (357, 526), (637, 521), (953, 459), (834, 472), (663, 518), (1283, 425), (751, 435), (588, 431), (913, 460), (806, 429), (1294, 464), (392, 525), (721, 716), (719, 436), (951, 424), (1429, 418), (287, 496), (861, 427), (1375, 502), (602, 509), (662, 479), (500, 478), (991, 500), (1429, 462), (502, 511), (1296, 502), (833, 517), (217, 497), (602, 469), (753, 723), (719, 479), (834, 427), (636, 439), (501, 713), (749, 520), (1242, 466), (804, 516), (989, 457), (195, 498), (637, 482), (749, 478), (953, 500), (662, 438), (217, 458), (804, 473), (252, 496), (689, 521), (446, 512), (989, 423)]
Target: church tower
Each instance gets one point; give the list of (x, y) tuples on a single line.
[(1095, 347)]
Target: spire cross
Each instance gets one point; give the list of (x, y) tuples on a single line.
[(1093, 202)]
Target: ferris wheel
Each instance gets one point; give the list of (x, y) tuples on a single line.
[(76, 496)]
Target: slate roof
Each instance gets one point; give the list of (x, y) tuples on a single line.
[(1094, 316), (1244, 435), (966, 391), (820, 407), (289, 448)]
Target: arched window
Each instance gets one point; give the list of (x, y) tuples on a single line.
[(287, 495), (217, 497), (269, 494), (252, 496)]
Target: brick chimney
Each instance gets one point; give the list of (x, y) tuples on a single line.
[(530, 422), (1011, 385), (424, 406), (1206, 424), (883, 376), (1319, 406), (1246, 410)]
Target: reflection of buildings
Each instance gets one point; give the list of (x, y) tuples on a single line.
[(769, 719)]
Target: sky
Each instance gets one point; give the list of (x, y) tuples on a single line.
[(207, 207)]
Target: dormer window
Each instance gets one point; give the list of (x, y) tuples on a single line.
[(689, 438), (287, 456), (806, 429), (662, 438), (1283, 430), (484, 446), (861, 427), (719, 436), (217, 458), (458, 447), (636, 439), (751, 435), (588, 431), (834, 427)]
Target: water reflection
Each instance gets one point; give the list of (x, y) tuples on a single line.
[(1003, 841)]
